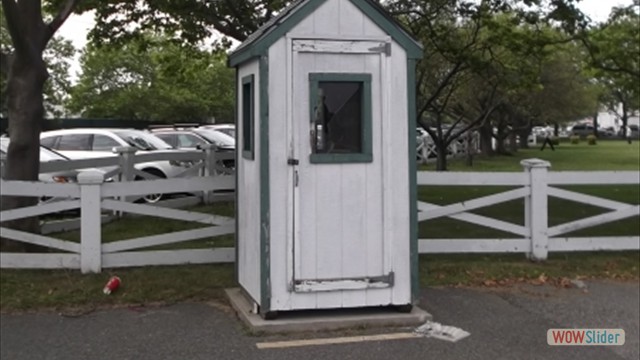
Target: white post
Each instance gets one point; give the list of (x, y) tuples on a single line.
[(209, 167), (90, 222), (536, 214), (425, 149)]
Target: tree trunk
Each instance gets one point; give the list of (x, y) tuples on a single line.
[(513, 144), (26, 113), (441, 160), (486, 137), (595, 124), (470, 148)]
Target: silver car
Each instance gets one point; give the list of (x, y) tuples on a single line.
[(87, 143)]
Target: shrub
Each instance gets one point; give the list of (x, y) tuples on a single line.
[(555, 140), (591, 139), (575, 139)]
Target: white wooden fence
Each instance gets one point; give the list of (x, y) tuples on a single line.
[(93, 196), (535, 184)]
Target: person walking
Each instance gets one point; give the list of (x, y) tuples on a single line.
[(547, 140)]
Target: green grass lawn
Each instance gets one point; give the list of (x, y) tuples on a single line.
[(606, 155), (66, 289)]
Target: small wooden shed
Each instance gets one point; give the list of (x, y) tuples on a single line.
[(326, 192)]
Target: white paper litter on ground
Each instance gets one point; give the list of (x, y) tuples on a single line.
[(442, 332)]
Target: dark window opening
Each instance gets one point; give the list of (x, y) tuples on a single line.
[(247, 117)]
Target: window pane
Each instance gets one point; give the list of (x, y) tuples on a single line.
[(103, 143), (339, 117), (248, 107), (75, 142)]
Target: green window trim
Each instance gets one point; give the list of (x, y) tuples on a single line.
[(248, 117), (366, 155)]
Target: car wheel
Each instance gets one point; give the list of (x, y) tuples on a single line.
[(152, 198)]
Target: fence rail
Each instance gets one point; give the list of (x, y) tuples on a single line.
[(94, 197), (535, 238)]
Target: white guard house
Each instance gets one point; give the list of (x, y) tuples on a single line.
[(326, 191)]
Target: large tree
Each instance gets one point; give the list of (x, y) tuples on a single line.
[(26, 78), (154, 78), (614, 51)]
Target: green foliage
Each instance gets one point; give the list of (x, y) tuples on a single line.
[(575, 139), (614, 49), (154, 79), (591, 139)]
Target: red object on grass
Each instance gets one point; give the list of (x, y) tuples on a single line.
[(112, 285)]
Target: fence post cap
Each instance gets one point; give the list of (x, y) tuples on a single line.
[(124, 150), (535, 163), (91, 177)]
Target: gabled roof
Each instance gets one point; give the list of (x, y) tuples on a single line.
[(258, 42)]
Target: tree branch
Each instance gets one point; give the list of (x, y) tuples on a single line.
[(62, 16)]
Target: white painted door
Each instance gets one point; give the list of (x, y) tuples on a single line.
[(336, 157)]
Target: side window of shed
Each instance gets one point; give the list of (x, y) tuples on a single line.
[(248, 120)]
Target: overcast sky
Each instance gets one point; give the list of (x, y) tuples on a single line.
[(77, 26)]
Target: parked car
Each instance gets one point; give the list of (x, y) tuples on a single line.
[(582, 130), (86, 143), (46, 155), (192, 138), (229, 129)]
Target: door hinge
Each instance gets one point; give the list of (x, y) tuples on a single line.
[(293, 161), (295, 178)]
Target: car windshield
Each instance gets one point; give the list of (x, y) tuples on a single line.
[(228, 131), (142, 140), (217, 137)]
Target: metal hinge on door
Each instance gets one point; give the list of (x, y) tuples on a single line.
[(295, 178)]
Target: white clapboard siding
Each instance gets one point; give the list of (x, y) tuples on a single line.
[(341, 47), (168, 186), (40, 209), (39, 261), (169, 257), (38, 189), (455, 246), (166, 213), (168, 238), (39, 240)]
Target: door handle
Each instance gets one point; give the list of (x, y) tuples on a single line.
[(293, 162)]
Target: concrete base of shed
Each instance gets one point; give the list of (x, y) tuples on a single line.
[(323, 320)]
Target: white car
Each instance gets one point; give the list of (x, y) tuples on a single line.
[(229, 129), (46, 155), (87, 143)]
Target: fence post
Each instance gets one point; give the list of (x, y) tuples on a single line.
[(535, 207), (90, 222), (127, 160), (126, 155), (209, 167)]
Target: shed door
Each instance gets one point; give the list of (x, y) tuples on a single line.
[(337, 166)]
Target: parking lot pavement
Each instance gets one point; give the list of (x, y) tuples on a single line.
[(504, 324)]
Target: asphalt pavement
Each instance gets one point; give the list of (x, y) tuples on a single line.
[(504, 324)]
